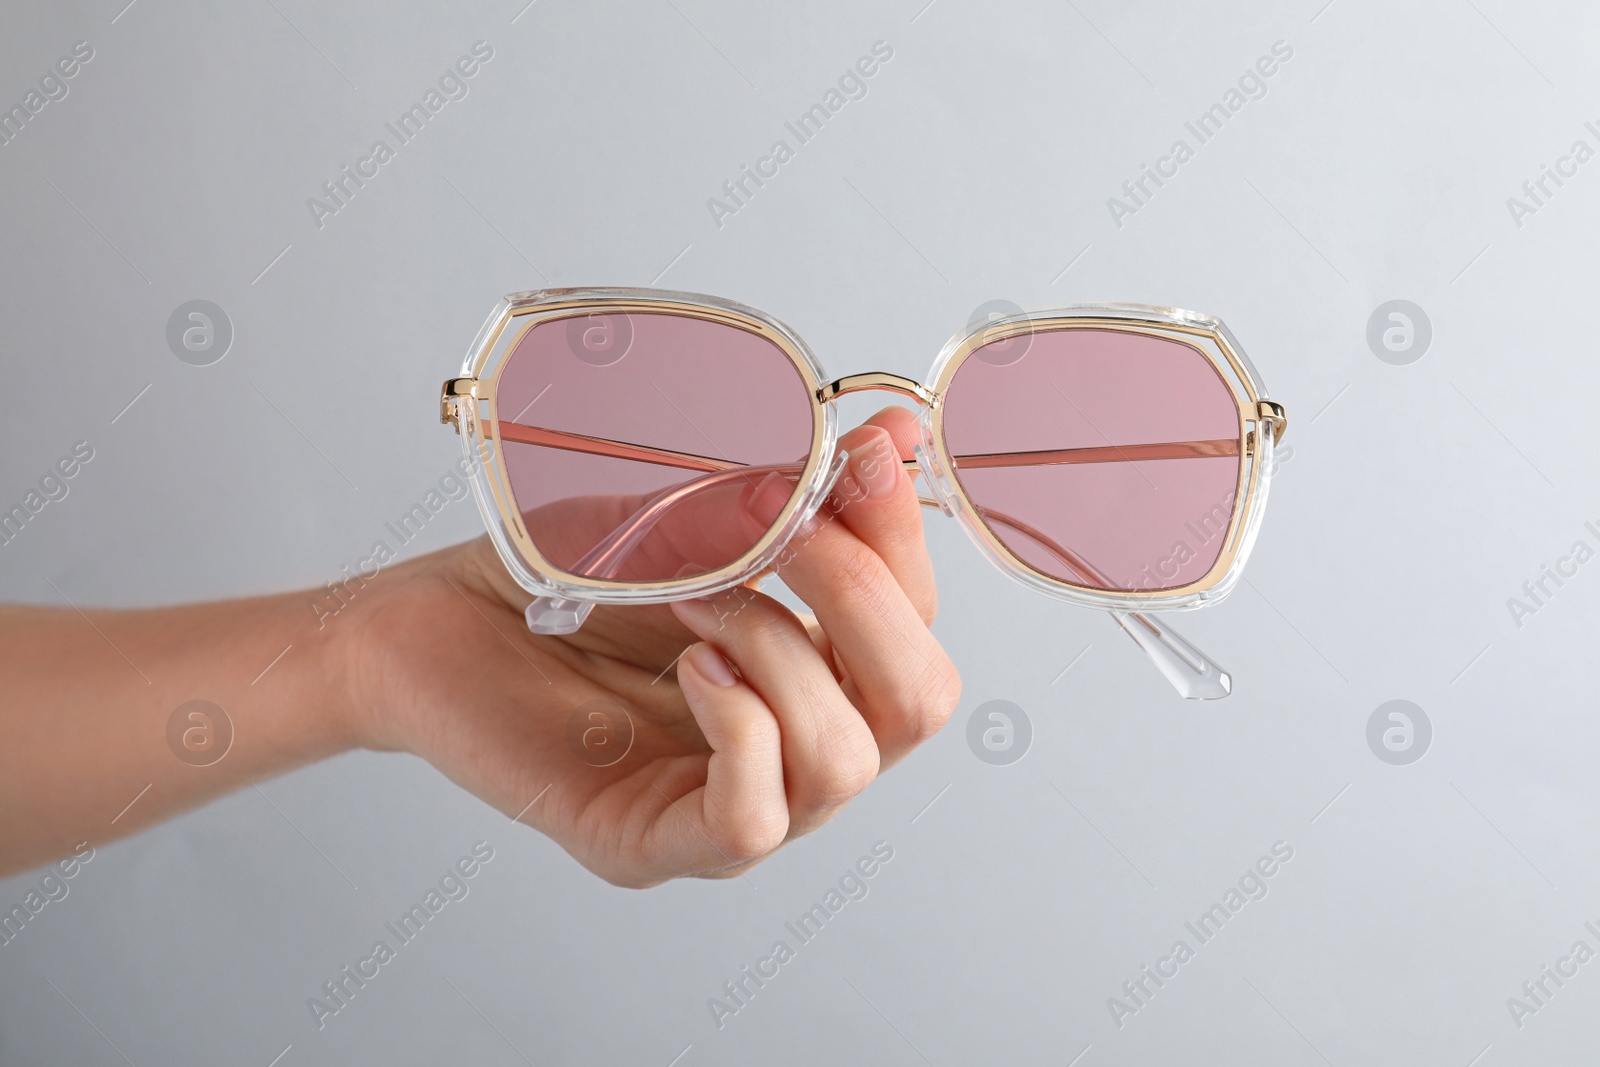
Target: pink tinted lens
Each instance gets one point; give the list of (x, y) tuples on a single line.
[(1100, 458), (643, 446)]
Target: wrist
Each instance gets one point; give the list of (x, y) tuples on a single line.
[(273, 669), (323, 698), (369, 656), (266, 664)]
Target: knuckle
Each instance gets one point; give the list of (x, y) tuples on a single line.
[(877, 589), (624, 878), (934, 700), (766, 628), (752, 836), (750, 735), (760, 620), (862, 572), (847, 766), (857, 565), (722, 874)]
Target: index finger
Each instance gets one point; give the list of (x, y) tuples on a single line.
[(876, 500)]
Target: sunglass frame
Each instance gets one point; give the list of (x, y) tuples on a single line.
[(468, 402)]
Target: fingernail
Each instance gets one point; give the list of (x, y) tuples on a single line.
[(710, 665), (765, 502), (876, 465)]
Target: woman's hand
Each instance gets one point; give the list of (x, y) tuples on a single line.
[(689, 739), (655, 742)]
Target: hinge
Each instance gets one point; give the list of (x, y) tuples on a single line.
[(453, 388), (1273, 412)]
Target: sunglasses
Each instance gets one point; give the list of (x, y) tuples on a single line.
[(640, 446)]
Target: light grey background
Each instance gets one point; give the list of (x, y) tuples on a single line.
[(1416, 499)]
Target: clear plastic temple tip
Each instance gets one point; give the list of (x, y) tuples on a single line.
[(555, 615), (1192, 673)]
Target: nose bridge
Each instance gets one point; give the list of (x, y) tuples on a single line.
[(879, 381)]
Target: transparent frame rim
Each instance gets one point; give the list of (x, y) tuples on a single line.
[(491, 486), (491, 482), (1256, 440)]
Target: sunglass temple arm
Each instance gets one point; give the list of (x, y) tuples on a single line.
[(1191, 672)]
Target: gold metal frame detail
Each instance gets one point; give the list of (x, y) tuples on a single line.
[(1239, 385), (484, 391), (489, 432)]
